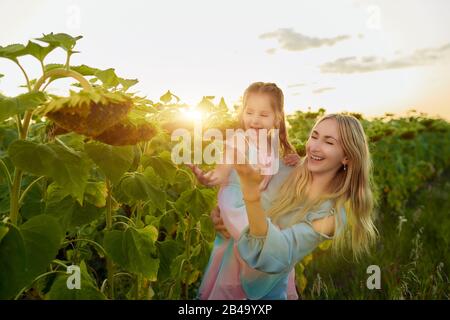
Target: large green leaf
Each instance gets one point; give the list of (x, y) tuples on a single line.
[(81, 69), (8, 134), (42, 237), (12, 51), (202, 253), (12, 106), (85, 70), (184, 180), (25, 252), (168, 96), (69, 168), (73, 140), (177, 266), (196, 202), (108, 77), (96, 193), (167, 221), (139, 186), (113, 244), (70, 214), (12, 263), (3, 231), (113, 161), (88, 290), (207, 227), (127, 83), (162, 165), (33, 204), (4, 198), (168, 251), (38, 51), (61, 40), (67, 211), (52, 66), (134, 250)]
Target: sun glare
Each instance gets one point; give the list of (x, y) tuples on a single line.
[(192, 114)]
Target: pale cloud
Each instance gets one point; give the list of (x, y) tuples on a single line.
[(322, 90), (294, 41), (420, 57), (296, 85)]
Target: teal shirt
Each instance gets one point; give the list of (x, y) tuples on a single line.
[(222, 276), (276, 254), (231, 203)]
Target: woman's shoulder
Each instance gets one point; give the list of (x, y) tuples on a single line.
[(327, 209)]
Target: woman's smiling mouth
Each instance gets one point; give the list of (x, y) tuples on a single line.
[(316, 158)]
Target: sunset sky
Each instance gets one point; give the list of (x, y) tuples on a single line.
[(344, 55)]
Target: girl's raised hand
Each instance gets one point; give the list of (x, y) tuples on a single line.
[(291, 159)]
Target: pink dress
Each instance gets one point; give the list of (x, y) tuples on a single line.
[(226, 269)]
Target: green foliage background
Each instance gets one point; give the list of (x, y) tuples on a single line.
[(138, 225)]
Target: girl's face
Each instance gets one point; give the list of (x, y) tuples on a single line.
[(324, 148), (258, 113)]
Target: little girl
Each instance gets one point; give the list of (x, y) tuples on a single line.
[(262, 109)]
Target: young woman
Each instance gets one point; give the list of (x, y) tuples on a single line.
[(330, 187), (262, 109)]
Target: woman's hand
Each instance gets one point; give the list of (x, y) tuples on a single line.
[(250, 179), (218, 223)]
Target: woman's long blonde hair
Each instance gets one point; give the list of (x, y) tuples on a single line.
[(350, 189)]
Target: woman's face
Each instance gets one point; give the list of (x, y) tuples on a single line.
[(324, 148), (258, 113)]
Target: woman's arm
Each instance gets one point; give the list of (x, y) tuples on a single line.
[(267, 248), (279, 250), (250, 180)]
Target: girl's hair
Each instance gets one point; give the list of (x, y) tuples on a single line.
[(277, 103), (350, 189)]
